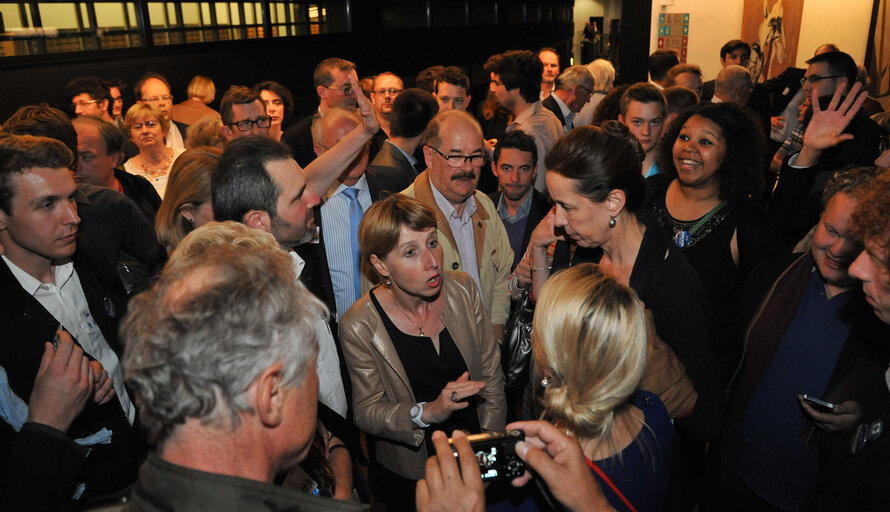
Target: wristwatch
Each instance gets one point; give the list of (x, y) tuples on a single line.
[(416, 413)]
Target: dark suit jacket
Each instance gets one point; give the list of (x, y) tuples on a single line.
[(783, 87), (553, 106), (707, 90), (26, 326), (392, 162), (141, 191), (536, 213), (299, 138)]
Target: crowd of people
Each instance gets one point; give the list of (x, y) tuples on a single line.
[(234, 309)]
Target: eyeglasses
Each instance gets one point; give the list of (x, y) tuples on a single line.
[(346, 89), (119, 98), (83, 103), (457, 161), (247, 124), (150, 124), (392, 90), (586, 89), (158, 99), (816, 78)]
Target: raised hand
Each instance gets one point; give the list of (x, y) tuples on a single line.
[(826, 127)]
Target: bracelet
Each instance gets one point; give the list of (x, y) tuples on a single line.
[(548, 267)]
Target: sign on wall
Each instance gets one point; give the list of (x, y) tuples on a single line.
[(673, 33)]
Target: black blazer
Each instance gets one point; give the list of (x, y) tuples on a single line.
[(536, 213), (26, 326), (299, 138), (553, 106)]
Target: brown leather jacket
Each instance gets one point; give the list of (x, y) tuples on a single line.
[(381, 394)]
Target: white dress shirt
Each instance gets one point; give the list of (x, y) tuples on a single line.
[(327, 364), (462, 229)]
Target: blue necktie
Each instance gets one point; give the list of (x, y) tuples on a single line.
[(355, 217)]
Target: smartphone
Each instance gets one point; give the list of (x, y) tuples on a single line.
[(821, 405), (496, 454)]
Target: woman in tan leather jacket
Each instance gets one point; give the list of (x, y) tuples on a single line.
[(420, 349)]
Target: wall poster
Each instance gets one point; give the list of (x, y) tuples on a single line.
[(772, 27)]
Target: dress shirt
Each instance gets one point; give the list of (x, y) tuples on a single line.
[(65, 300), (567, 113), (462, 229), (327, 364), (337, 245), (411, 159), (174, 137), (521, 213)]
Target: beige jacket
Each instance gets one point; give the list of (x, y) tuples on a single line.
[(493, 253), (381, 394)]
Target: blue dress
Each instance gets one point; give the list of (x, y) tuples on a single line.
[(642, 474)]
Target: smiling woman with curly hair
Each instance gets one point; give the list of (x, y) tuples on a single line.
[(711, 160)]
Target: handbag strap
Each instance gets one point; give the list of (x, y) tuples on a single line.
[(611, 484), (698, 225)]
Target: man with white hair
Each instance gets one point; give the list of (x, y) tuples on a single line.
[(733, 85), (221, 353), (572, 91)]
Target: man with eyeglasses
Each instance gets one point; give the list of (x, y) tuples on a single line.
[(516, 84), (90, 96), (806, 164), (154, 89), (454, 153), (331, 81), (386, 87), (572, 91), (243, 114)]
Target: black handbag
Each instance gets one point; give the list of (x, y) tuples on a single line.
[(516, 350)]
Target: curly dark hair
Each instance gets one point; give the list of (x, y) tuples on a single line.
[(740, 172), (286, 97), (518, 69)]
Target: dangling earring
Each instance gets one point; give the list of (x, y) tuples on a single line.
[(387, 281), (612, 222), (545, 382)]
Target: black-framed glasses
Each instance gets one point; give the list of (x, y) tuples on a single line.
[(816, 78), (457, 161), (346, 90), (586, 89), (247, 124)]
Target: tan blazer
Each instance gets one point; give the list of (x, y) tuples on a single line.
[(381, 394)]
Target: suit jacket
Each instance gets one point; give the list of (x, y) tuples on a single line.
[(783, 87), (299, 138), (382, 397), (707, 90), (553, 106), (26, 326), (536, 213), (392, 161), (493, 253), (141, 192)]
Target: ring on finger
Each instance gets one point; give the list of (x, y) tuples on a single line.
[(454, 396)]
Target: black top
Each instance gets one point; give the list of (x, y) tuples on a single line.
[(710, 255), (429, 371), (670, 288), (141, 191)]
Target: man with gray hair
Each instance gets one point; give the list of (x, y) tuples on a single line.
[(221, 353), (733, 85), (573, 90)]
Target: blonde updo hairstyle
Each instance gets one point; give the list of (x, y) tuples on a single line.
[(590, 342)]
